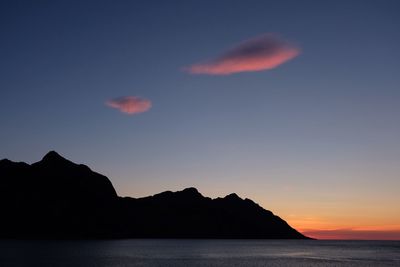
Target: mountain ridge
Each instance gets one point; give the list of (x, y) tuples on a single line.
[(57, 198)]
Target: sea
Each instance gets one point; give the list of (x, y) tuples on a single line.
[(174, 252)]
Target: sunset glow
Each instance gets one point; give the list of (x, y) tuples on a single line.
[(352, 234), (292, 104)]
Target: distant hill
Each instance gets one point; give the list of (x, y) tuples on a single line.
[(56, 198)]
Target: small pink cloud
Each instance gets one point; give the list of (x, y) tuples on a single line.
[(264, 52), (130, 104)]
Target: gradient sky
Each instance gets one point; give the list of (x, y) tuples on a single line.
[(294, 104)]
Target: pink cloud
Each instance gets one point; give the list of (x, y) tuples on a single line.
[(264, 52), (130, 104)]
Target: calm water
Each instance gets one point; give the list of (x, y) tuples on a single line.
[(199, 253)]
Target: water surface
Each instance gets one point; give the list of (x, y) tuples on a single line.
[(154, 252)]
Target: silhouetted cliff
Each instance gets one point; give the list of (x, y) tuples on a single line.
[(56, 198)]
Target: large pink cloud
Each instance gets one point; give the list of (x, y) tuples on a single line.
[(264, 52), (130, 104)]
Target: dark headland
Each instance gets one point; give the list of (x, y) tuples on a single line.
[(56, 198)]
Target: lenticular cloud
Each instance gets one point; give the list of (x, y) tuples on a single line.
[(264, 52), (130, 104)]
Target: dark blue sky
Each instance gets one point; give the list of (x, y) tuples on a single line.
[(316, 127)]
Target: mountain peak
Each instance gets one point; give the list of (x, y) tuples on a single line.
[(5, 161), (53, 156), (233, 196), (192, 190)]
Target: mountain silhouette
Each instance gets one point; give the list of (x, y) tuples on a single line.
[(56, 198)]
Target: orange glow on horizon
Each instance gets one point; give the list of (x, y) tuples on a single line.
[(353, 234), (320, 230)]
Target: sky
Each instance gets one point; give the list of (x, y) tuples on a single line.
[(294, 104)]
